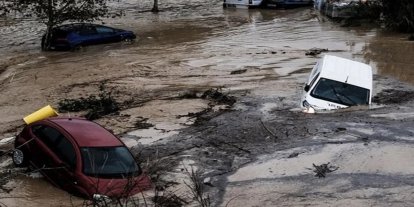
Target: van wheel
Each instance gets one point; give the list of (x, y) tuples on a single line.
[(19, 158)]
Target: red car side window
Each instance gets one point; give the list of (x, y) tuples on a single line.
[(47, 134), (57, 142), (65, 150)]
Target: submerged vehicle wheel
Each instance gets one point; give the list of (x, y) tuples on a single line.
[(19, 158), (76, 47), (128, 40)]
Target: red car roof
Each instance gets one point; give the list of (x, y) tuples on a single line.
[(87, 133)]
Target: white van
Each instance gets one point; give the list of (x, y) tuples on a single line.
[(337, 83), (264, 3), (242, 3)]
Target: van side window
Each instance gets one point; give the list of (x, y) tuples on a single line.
[(315, 69), (56, 142), (314, 79)]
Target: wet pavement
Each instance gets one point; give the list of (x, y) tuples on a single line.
[(256, 56)]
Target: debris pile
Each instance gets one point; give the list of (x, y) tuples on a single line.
[(392, 96), (219, 97), (143, 124), (315, 51), (96, 106)]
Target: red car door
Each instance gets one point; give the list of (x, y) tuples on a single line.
[(54, 156)]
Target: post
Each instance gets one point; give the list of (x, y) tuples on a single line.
[(155, 7), (50, 24)]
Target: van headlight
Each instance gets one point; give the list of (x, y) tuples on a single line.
[(308, 108), (306, 104)]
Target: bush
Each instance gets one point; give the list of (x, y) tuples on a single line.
[(399, 14)]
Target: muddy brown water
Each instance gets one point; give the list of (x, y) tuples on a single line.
[(35, 191), (190, 45)]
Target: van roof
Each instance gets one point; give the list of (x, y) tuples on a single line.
[(348, 71)]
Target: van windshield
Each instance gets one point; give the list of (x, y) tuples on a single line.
[(341, 93), (109, 162)]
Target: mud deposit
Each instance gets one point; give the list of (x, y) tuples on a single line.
[(218, 91)]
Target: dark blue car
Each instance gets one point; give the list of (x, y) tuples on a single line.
[(72, 36)]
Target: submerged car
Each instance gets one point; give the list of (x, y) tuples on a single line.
[(80, 157), (337, 83), (339, 8), (72, 36)]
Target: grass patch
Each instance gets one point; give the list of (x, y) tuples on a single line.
[(197, 188)]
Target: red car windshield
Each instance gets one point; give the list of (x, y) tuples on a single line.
[(109, 162)]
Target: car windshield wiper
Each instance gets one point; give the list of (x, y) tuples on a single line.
[(349, 99), (338, 96)]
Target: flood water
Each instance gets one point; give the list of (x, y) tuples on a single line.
[(189, 45), (229, 37), (36, 191)]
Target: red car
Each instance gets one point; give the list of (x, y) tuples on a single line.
[(80, 157)]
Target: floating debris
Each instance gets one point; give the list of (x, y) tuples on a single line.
[(315, 51), (293, 155), (392, 96), (236, 72), (322, 170), (189, 94), (340, 129), (143, 124)]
